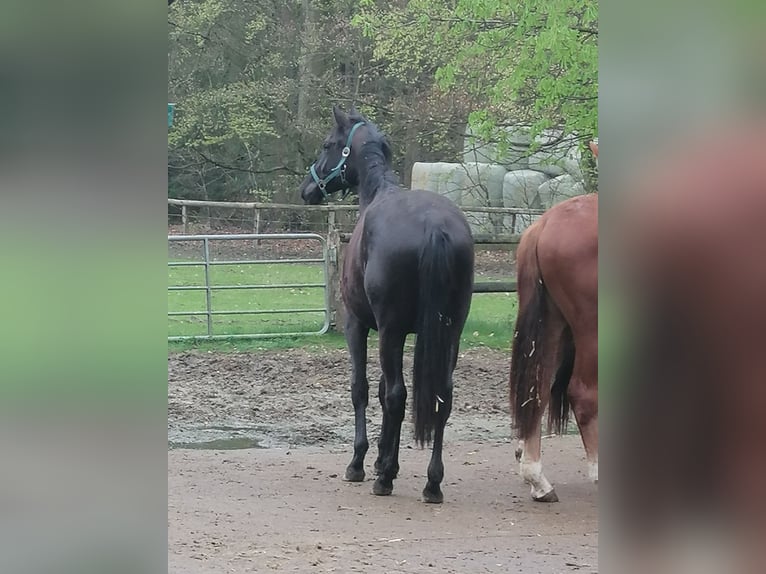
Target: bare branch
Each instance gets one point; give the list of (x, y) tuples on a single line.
[(244, 170), (186, 32)]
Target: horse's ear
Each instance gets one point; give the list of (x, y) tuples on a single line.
[(341, 118)]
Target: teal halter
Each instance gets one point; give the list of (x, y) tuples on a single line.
[(338, 170)]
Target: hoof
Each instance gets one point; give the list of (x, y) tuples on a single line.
[(518, 454), (433, 497), (549, 497), (380, 489), (354, 475), (379, 470)]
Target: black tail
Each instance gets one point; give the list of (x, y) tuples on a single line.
[(431, 386), (558, 412)]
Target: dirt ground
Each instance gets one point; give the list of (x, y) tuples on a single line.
[(280, 505)]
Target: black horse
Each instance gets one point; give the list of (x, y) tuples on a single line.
[(408, 269)]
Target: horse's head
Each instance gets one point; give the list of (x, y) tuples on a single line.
[(335, 169)]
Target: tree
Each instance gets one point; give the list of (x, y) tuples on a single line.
[(254, 81), (533, 62), (232, 75)]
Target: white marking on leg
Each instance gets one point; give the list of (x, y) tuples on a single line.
[(532, 473), (519, 450), (593, 470)]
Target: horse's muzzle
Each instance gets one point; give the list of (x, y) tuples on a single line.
[(310, 193)]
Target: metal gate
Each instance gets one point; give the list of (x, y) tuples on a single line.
[(209, 287)]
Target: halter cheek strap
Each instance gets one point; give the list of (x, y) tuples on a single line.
[(338, 170)]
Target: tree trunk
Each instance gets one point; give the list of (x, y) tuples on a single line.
[(305, 73), (411, 153)]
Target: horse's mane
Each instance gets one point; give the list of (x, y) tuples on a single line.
[(377, 152)]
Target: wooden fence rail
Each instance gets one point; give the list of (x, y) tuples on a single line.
[(258, 207)]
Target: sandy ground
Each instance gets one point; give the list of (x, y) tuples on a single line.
[(285, 508)]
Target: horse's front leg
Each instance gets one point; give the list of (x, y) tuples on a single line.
[(356, 338)]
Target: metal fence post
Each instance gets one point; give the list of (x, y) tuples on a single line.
[(331, 227), (257, 224), (333, 275), (185, 219), (208, 290)]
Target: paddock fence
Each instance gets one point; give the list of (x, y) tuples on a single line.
[(273, 279), (273, 234)]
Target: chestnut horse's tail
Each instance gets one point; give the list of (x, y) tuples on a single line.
[(558, 412), (534, 352), (431, 386)]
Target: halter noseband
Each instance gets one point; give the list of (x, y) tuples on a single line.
[(338, 170)]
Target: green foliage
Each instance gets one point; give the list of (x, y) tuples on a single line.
[(254, 81), (233, 113), (533, 62), (228, 74)]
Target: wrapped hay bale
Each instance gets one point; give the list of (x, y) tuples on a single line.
[(520, 189), (481, 185), (558, 189), (557, 157), (515, 157), (439, 177)]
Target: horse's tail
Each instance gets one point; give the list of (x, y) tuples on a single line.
[(431, 385), (558, 412), (530, 362), (526, 363)]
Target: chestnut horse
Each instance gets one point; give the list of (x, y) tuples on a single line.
[(555, 347), (408, 268)]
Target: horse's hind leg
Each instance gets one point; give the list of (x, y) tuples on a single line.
[(519, 450), (583, 396), (530, 467), (391, 352), (432, 492), (356, 337), (382, 400), (381, 445)]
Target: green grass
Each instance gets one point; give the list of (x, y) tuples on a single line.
[(331, 340), (490, 322), (243, 299)]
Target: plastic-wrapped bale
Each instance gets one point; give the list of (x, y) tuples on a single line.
[(520, 189), (439, 177), (515, 157), (558, 189), (481, 185), (560, 158)]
